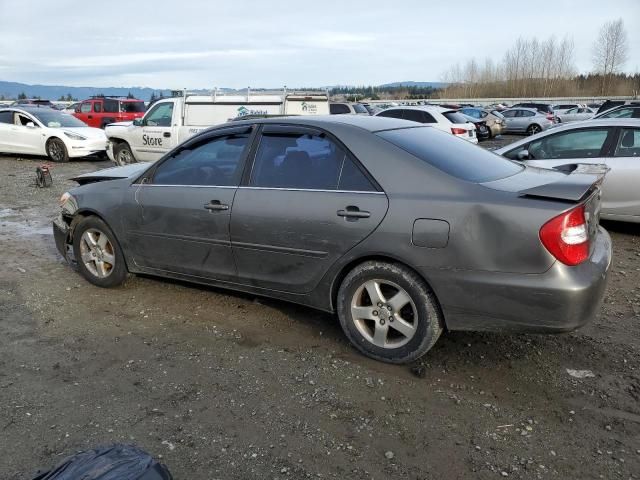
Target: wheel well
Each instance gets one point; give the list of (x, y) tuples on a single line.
[(379, 258), (82, 214)]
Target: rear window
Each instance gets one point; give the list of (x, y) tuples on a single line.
[(453, 156), (359, 108), (455, 117)]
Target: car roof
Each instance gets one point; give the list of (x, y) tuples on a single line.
[(522, 108), (426, 108), (365, 122)]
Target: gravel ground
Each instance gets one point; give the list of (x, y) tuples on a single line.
[(221, 385)]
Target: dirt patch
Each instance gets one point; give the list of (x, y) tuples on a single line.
[(222, 385)]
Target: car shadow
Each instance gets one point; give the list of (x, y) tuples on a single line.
[(626, 228)]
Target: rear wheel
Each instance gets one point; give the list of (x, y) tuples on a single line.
[(56, 150), (98, 254), (122, 154), (533, 129), (388, 312)]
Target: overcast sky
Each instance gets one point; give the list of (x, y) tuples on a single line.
[(270, 43)]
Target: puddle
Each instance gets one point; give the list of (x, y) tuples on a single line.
[(14, 223)]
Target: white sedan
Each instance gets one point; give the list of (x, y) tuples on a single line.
[(35, 130)]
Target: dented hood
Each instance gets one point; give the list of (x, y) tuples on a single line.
[(113, 173), (570, 182)]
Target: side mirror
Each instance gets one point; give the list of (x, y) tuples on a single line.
[(137, 122), (30, 125), (523, 155)]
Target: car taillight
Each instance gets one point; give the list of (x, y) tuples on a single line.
[(567, 236), (459, 131), (550, 116)]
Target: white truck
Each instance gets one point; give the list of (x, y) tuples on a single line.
[(170, 121)]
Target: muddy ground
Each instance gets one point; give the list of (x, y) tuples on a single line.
[(221, 385)]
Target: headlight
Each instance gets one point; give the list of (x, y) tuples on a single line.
[(64, 198), (74, 136)]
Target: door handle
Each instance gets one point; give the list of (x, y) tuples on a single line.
[(166, 134), (216, 206), (353, 212), (89, 116)]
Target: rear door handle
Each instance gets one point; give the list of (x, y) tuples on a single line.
[(166, 134), (216, 206), (353, 212)]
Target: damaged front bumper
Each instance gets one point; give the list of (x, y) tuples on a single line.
[(61, 232)]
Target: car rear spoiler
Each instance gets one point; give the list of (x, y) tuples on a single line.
[(580, 180)]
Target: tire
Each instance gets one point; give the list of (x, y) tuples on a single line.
[(533, 129), (122, 154), (98, 253), (418, 313), (57, 150)]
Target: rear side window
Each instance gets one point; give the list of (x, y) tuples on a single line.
[(524, 113), (85, 107), (111, 105), (132, 107), (338, 109), (418, 116), (359, 108), (391, 114), (214, 162), (97, 107), (6, 117), (305, 161), (455, 157), (455, 117), (628, 143)]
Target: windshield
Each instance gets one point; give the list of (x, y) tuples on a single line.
[(456, 157), (56, 119), (132, 107)]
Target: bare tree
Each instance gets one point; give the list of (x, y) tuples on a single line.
[(610, 52)]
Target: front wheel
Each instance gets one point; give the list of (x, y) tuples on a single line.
[(388, 312), (533, 129), (57, 150), (122, 154), (98, 254)]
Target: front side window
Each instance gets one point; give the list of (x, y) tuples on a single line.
[(525, 113), (308, 161), (23, 120), (85, 107), (576, 144), (97, 107), (160, 115), (510, 113), (359, 108), (455, 117), (628, 143), (213, 162)]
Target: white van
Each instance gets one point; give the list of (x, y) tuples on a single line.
[(171, 121)]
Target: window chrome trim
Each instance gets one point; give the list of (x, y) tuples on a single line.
[(192, 186), (374, 192)]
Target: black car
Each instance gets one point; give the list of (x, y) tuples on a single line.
[(482, 131)]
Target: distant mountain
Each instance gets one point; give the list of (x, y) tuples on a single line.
[(54, 92), (415, 84)]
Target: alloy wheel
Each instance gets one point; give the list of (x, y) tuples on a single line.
[(384, 313), (97, 252), (56, 151)]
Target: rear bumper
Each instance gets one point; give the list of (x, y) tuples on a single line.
[(562, 299)]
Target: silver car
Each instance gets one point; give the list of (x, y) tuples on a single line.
[(526, 120), (575, 115), (613, 142)]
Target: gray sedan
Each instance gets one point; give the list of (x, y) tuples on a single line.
[(613, 142), (526, 120), (401, 229)]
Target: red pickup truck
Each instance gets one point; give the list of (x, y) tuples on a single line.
[(100, 111)]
